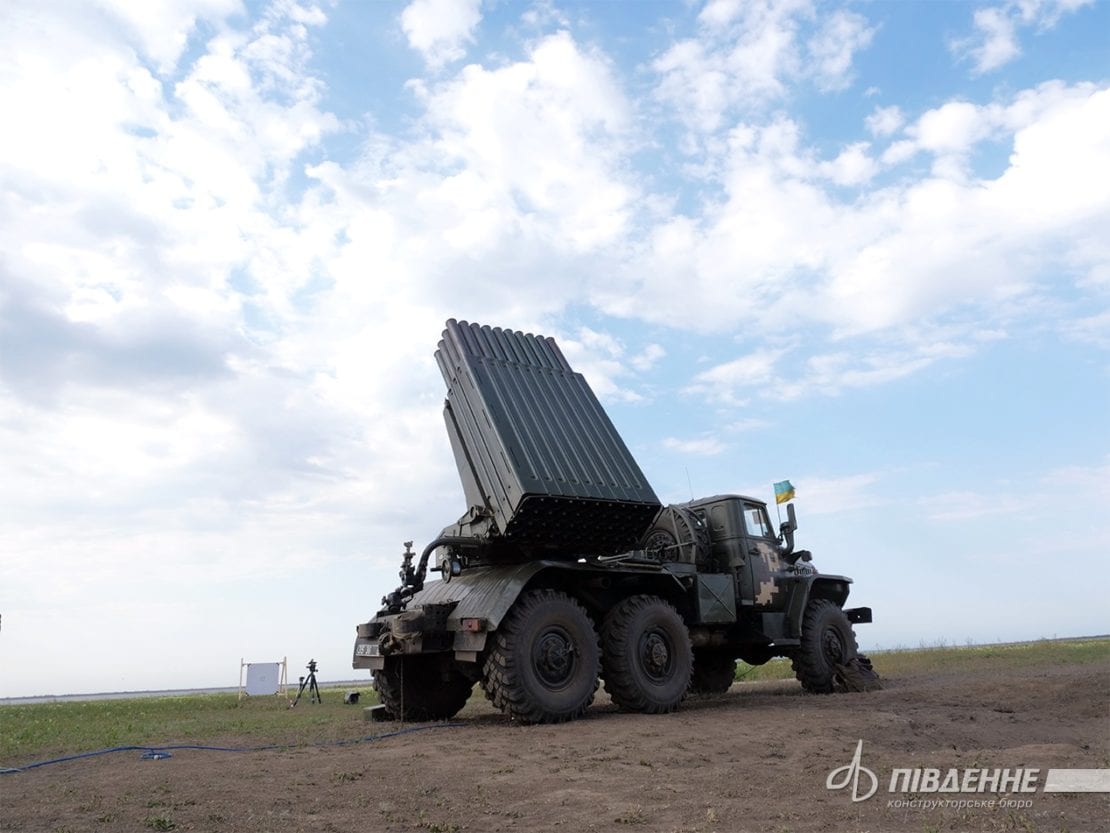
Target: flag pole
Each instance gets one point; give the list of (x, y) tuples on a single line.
[(784, 491)]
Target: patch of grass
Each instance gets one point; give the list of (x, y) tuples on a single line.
[(908, 662), (928, 660), (776, 669), (41, 730)]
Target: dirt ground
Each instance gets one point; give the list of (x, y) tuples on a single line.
[(754, 759)]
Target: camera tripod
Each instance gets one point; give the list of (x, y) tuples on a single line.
[(308, 682)]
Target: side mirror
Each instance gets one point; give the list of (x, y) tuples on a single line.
[(786, 531)]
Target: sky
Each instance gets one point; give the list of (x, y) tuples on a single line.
[(863, 246)]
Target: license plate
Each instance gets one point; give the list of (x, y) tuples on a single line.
[(368, 649)]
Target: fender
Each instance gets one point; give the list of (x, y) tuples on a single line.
[(833, 588), (478, 600), (482, 593)]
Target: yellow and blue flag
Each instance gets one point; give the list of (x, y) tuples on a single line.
[(784, 491)]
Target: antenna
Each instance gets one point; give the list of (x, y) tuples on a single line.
[(689, 482)]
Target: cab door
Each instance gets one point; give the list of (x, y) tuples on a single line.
[(729, 545), (764, 565)]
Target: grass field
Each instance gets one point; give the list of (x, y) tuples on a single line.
[(36, 731), (42, 730), (943, 658)]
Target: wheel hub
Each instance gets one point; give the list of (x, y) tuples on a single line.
[(553, 657), (655, 655), (832, 646)]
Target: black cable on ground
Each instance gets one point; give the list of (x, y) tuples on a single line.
[(156, 752)]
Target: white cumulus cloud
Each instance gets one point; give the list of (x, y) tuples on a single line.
[(995, 42), (439, 29), (748, 55)]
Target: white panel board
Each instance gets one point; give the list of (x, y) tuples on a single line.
[(263, 677)]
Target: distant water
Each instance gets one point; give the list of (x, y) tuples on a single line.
[(169, 692)]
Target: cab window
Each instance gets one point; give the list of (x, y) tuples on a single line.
[(755, 519)]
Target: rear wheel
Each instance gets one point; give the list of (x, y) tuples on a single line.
[(827, 642), (421, 687), (544, 660), (714, 671), (647, 660)]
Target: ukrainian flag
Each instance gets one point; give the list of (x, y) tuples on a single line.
[(784, 491)]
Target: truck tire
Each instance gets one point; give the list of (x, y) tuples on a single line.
[(421, 687), (646, 658), (827, 641), (714, 672), (544, 660)]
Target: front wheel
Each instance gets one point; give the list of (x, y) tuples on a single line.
[(543, 664), (647, 660), (421, 687), (827, 643)]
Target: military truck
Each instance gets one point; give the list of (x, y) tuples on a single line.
[(566, 569)]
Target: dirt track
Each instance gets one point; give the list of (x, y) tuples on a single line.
[(754, 759)]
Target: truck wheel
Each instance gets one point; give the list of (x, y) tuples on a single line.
[(421, 687), (714, 672), (646, 659), (543, 664), (827, 641)]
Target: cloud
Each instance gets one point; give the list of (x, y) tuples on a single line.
[(1089, 484), (162, 28), (1091, 329), (894, 274), (964, 505), (721, 383), (536, 146), (648, 357), (830, 495), (995, 41), (163, 383), (958, 239), (750, 424), (852, 167), (747, 55), (700, 446), (42, 349), (601, 359), (833, 48), (1069, 487), (885, 120), (438, 29), (775, 247), (830, 374)]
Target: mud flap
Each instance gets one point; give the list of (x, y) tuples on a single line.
[(857, 674)]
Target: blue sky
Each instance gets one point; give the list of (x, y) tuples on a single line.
[(862, 246)]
